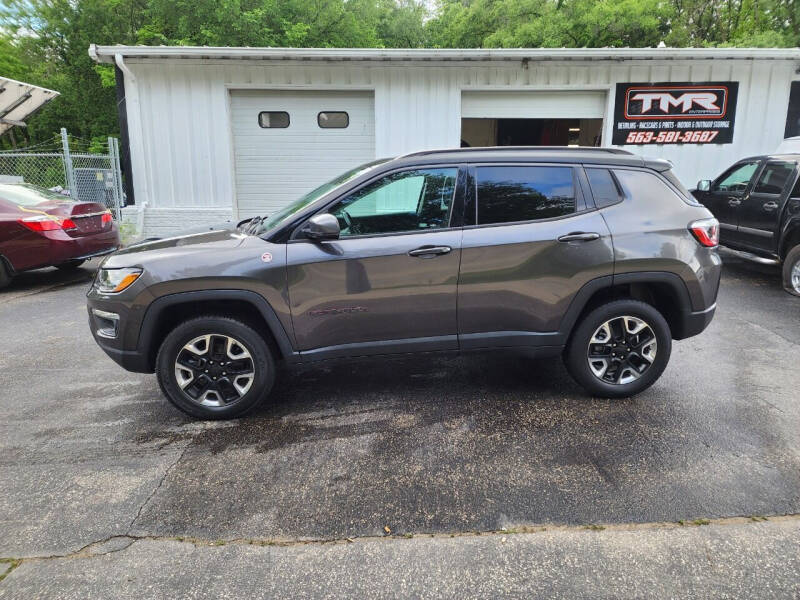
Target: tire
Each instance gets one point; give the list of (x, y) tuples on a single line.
[(70, 265), (637, 372), (5, 274), (217, 395), (791, 271)]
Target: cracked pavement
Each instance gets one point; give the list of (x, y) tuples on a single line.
[(140, 501)]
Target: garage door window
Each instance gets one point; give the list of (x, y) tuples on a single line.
[(333, 119), (273, 119), (510, 194), (417, 200)]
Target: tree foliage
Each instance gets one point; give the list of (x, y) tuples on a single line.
[(45, 42)]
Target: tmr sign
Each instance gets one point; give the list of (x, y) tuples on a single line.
[(674, 113)]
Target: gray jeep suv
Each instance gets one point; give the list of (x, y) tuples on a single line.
[(595, 254)]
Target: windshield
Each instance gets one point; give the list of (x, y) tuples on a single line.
[(295, 207), (24, 194)]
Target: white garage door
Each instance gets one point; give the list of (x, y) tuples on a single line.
[(281, 151), (533, 105)]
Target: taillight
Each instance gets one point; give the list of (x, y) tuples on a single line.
[(47, 223), (705, 231), (106, 218)]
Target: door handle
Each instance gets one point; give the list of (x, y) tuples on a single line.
[(768, 206), (579, 236), (734, 202), (429, 251)]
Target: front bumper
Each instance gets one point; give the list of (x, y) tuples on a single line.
[(130, 360)]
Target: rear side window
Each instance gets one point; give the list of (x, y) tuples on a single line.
[(604, 188), (641, 184), (510, 194), (774, 177)]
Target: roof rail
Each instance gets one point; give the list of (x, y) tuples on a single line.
[(522, 148)]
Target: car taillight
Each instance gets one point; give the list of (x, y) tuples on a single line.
[(106, 218), (705, 231), (47, 223)]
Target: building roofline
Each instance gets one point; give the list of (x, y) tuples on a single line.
[(107, 53)]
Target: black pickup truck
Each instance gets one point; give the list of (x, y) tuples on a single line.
[(757, 204)]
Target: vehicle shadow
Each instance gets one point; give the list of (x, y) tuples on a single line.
[(40, 280)]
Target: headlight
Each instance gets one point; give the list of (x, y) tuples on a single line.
[(112, 281)]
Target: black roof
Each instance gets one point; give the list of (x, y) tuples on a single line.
[(559, 154)]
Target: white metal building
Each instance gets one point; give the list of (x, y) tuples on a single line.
[(219, 133)]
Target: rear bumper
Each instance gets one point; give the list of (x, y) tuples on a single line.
[(694, 323)]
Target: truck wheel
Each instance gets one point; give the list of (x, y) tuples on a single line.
[(215, 367), (791, 271), (619, 349)]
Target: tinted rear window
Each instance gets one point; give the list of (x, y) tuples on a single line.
[(604, 188), (509, 194)]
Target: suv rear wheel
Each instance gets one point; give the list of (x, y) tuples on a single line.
[(619, 349), (215, 367)]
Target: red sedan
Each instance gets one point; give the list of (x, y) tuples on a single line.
[(39, 228)]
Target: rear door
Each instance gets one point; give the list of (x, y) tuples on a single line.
[(760, 209), (726, 195), (531, 243), (388, 284)]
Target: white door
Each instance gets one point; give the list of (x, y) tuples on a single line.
[(533, 105), (286, 143)]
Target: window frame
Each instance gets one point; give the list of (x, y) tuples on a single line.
[(762, 170), (344, 112), (759, 166), (265, 112), (581, 206), (454, 214), (590, 192)]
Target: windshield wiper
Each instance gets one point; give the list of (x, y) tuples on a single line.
[(251, 227)]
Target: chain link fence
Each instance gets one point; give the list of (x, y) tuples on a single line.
[(84, 176)]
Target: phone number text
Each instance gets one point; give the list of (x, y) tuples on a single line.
[(671, 137)]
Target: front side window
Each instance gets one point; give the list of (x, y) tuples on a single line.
[(521, 193), (735, 179), (416, 200), (774, 177)]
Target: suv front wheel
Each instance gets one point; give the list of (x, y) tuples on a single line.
[(619, 349), (215, 367)]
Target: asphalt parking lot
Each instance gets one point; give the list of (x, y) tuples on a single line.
[(353, 466)]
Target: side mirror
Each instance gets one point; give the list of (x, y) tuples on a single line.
[(322, 227), (703, 185)]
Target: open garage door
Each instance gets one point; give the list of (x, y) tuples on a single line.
[(286, 143), (532, 118)]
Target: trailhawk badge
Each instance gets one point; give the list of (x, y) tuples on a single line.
[(266, 257)]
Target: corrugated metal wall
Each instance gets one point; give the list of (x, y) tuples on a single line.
[(179, 111)]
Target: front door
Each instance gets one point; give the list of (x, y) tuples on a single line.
[(725, 197), (388, 283), (758, 213)]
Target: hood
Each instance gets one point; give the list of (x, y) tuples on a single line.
[(212, 241)]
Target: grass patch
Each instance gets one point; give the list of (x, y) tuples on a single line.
[(758, 518), (13, 564), (594, 527), (699, 522)]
